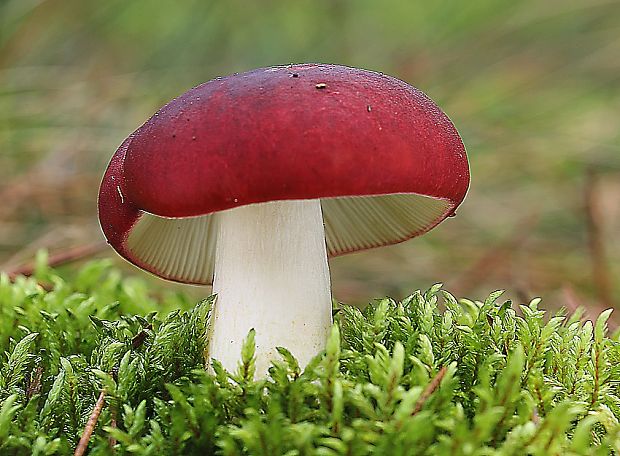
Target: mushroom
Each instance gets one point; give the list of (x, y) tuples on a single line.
[(251, 181)]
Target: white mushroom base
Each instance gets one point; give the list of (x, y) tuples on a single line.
[(271, 274)]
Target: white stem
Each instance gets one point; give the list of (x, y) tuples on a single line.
[(271, 274)]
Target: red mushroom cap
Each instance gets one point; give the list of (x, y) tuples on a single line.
[(284, 133)]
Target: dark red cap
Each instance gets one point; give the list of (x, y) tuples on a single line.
[(283, 133)]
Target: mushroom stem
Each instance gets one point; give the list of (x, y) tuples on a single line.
[(271, 274)]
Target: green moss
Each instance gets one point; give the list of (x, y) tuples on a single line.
[(398, 378)]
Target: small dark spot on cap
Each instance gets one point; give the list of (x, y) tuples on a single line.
[(368, 108), (174, 135), (321, 85), (295, 75)]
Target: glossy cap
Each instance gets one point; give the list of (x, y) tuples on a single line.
[(385, 161)]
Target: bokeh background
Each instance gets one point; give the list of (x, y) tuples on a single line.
[(533, 86)]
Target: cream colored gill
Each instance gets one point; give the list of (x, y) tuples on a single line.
[(183, 249)]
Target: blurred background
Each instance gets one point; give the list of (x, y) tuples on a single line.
[(533, 87)]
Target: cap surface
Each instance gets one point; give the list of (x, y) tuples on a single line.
[(385, 161)]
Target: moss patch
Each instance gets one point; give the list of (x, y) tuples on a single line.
[(428, 375)]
